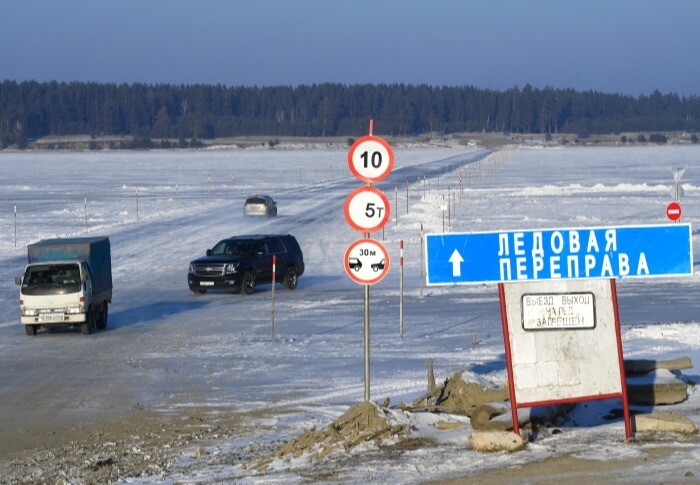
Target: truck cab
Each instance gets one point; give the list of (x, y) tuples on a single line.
[(58, 289)]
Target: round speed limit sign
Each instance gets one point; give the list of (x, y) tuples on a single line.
[(367, 209), (370, 159)]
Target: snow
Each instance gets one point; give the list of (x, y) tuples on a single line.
[(169, 348)]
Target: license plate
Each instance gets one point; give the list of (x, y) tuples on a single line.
[(206, 283), (53, 317)]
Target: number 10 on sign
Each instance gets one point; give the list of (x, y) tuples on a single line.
[(370, 159)]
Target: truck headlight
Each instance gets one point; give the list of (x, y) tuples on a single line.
[(29, 312), (231, 268), (74, 310)]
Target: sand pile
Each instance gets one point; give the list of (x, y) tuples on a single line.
[(457, 396), (364, 423)]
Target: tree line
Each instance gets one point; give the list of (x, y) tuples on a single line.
[(30, 110)]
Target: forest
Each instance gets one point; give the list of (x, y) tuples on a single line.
[(30, 110)]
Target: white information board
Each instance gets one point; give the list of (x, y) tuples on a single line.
[(574, 352)]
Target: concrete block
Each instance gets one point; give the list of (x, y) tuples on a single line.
[(491, 441), (663, 423)]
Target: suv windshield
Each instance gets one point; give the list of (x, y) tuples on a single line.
[(233, 248), (51, 279)]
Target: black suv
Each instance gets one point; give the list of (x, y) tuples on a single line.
[(241, 262)]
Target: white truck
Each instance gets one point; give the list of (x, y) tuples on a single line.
[(67, 283)]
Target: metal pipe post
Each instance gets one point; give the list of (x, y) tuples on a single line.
[(401, 291), (274, 280), (366, 331)]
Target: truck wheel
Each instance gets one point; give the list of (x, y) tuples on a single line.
[(201, 291), (86, 326), (30, 329), (101, 322), (248, 283), (291, 279)]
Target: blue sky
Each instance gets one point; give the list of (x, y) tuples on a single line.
[(621, 46)]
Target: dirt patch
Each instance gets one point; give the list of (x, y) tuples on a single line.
[(145, 443), (364, 423), (569, 469)]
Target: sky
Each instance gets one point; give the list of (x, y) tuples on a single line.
[(626, 46)]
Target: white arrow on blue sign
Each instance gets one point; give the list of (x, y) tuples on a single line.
[(555, 254)]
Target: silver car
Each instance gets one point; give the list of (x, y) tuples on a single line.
[(260, 205)]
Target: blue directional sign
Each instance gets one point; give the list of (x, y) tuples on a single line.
[(556, 254)]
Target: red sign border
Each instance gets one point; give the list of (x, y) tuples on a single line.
[(386, 264), (387, 209), (382, 142), (680, 211)]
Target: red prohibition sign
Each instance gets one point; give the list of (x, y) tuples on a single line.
[(367, 209), (366, 261), (370, 159), (673, 211)]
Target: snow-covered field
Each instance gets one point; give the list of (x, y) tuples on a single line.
[(167, 348)]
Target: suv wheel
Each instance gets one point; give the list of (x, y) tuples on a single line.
[(248, 283), (291, 279)]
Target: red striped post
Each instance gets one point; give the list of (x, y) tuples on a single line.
[(274, 282), (401, 290)]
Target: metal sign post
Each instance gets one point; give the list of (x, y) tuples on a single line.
[(366, 340), (673, 211), (367, 210)]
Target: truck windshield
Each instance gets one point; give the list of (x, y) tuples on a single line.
[(42, 279)]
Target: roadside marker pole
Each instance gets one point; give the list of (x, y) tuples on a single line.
[(15, 226), (137, 203), (274, 281), (401, 291), (449, 207), (406, 197), (86, 219), (422, 279), (209, 187), (442, 207), (396, 203)]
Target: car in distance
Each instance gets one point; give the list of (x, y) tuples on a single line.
[(240, 263), (260, 205)]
